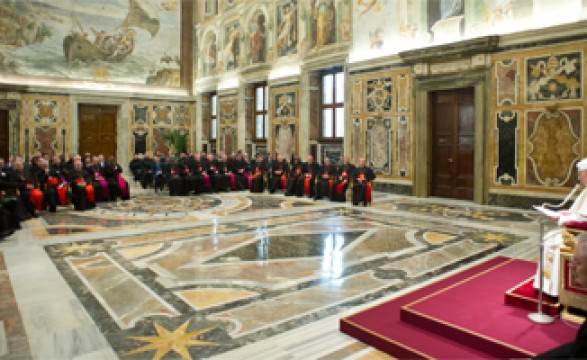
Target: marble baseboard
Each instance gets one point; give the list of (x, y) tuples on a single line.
[(392, 188), (520, 202)]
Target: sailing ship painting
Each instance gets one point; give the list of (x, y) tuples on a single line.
[(122, 41), (112, 48)]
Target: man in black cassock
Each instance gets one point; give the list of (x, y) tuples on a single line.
[(295, 174), (344, 174), (310, 171), (325, 180), (362, 183), (256, 179), (82, 191), (279, 169)]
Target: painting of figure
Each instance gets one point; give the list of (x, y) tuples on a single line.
[(231, 50), (257, 38), (285, 105), (209, 55), (323, 23), (287, 28)]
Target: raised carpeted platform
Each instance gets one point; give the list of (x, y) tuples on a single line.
[(463, 316), (525, 296)]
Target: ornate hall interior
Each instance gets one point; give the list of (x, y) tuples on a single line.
[(468, 112)]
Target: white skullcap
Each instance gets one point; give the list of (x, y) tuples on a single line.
[(582, 165)]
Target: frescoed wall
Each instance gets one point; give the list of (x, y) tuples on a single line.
[(381, 112), (385, 27), (538, 117), (121, 41), (160, 127), (44, 125)]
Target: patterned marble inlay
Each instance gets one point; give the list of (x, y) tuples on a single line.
[(201, 299), (419, 265), (220, 281), (263, 313), (124, 297), (13, 341)]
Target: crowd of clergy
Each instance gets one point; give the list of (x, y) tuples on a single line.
[(45, 182), (197, 173)]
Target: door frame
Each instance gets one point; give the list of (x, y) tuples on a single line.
[(423, 128), (122, 123)]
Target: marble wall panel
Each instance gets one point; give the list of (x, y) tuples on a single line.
[(554, 147), (507, 80), (506, 160), (357, 140), (554, 77), (537, 98), (404, 92), (285, 139), (376, 98), (403, 147), (356, 97), (334, 152), (379, 95), (284, 119), (379, 145), (152, 124)]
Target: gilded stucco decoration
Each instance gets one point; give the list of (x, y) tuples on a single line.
[(553, 146)]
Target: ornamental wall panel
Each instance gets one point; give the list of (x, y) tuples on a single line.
[(45, 123), (538, 123), (158, 127), (380, 120)]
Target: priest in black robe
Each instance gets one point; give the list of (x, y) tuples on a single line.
[(82, 192), (362, 183), (344, 175), (325, 180)]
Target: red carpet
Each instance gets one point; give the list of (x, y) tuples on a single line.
[(463, 316), (525, 296)]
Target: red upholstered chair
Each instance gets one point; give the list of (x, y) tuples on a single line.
[(571, 294)]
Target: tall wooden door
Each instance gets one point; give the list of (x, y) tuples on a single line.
[(97, 129), (453, 143), (4, 134)]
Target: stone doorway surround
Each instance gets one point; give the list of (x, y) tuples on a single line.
[(452, 66)]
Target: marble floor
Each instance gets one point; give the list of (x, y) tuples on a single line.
[(231, 275)]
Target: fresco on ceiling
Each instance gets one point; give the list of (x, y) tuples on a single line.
[(127, 41)]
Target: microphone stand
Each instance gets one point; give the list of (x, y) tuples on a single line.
[(539, 317)]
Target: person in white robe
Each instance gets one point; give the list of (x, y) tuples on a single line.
[(553, 240)]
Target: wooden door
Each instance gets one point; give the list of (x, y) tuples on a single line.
[(4, 134), (97, 130), (453, 143)]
